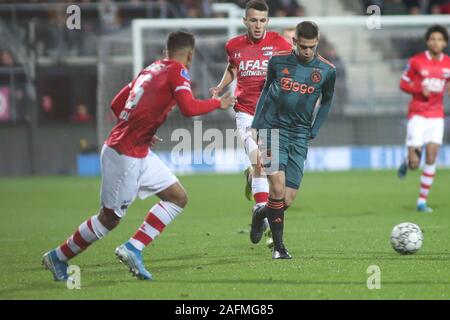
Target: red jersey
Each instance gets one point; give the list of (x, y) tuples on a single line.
[(143, 106), (424, 72), (250, 60)]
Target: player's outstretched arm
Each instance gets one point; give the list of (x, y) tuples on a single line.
[(190, 107), (227, 101), (228, 76), (325, 105)]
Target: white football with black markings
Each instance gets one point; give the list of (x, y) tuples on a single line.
[(406, 238)]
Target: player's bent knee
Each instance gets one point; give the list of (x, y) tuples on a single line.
[(108, 218), (180, 200), (277, 192), (183, 201), (430, 159), (174, 194)]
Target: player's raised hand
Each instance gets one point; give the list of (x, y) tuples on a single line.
[(227, 100), (215, 91)]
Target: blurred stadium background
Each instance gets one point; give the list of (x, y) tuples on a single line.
[(56, 83)]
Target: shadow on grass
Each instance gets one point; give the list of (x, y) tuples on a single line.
[(413, 209), (178, 258), (34, 287), (221, 261)]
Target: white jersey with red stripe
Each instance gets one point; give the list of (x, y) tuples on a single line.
[(422, 72)]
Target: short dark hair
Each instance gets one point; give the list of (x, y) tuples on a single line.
[(307, 30), (260, 5), (180, 40), (436, 28)]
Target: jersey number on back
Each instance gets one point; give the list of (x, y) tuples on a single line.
[(137, 91)]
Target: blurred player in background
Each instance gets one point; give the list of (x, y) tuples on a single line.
[(130, 168), (425, 78), (289, 34), (248, 56), (285, 123)]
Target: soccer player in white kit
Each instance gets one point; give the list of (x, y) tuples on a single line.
[(426, 78), (130, 169)]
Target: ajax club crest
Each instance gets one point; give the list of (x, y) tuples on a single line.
[(316, 76)]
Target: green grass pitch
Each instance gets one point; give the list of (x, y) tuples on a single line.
[(338, 227)]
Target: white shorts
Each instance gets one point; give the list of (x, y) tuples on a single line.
[(422, 131), (124, 178), (243, 124)]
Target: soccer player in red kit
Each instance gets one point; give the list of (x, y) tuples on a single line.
[(248, 56), (426, 78), (130, 168)]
